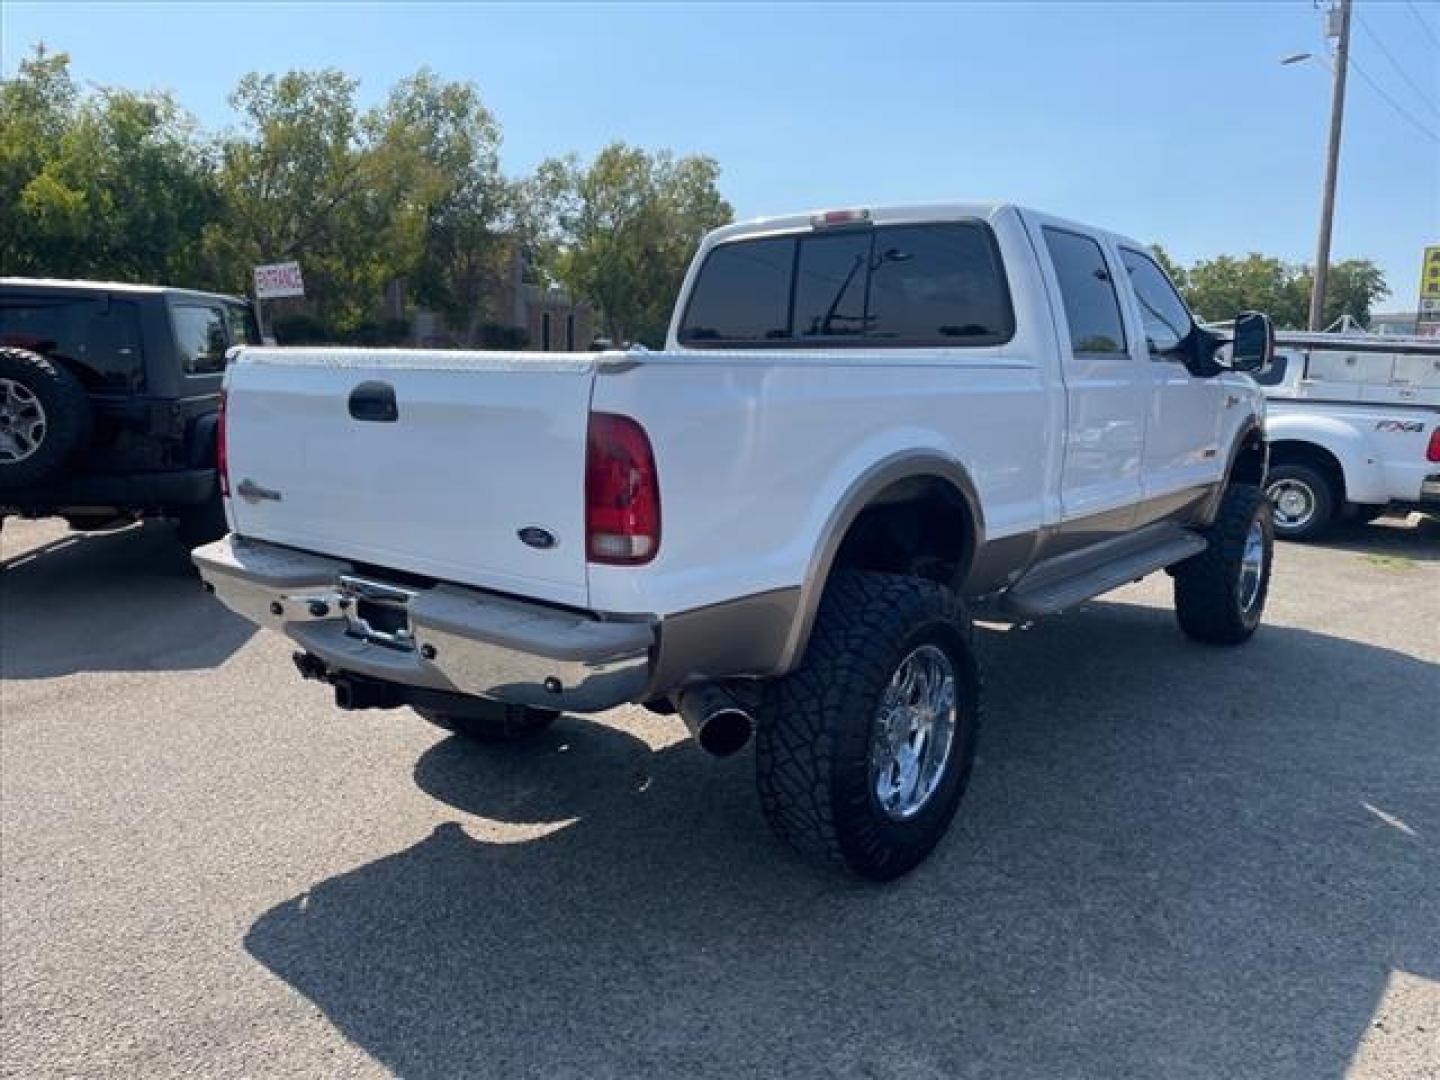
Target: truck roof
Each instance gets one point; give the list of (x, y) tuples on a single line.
[(897, 213), (79, 285)]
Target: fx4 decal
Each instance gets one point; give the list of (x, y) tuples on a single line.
[(1399, 425)]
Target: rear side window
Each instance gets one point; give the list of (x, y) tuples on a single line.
[(918, 285), (1167, 319), (200, 337), (1091, 307), (99, 337), (242, 325)]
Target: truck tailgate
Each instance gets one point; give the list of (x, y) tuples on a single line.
[(479, 447)]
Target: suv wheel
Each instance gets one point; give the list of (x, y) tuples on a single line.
[(863, 753), (1220, 593), (202, 524), (1303, 499), (493, 722), (44, 417)]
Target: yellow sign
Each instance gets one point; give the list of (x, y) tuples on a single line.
[(1430, 274)]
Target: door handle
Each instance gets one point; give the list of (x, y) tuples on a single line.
[(374, 401), (1231, 400), (252, 492)]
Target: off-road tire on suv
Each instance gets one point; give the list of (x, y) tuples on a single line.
[(1220, 593), (44, 417), (1309, 486), (202, 524), (493, 722), (819, 726)]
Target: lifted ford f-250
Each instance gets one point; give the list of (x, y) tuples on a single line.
[(866, 425)]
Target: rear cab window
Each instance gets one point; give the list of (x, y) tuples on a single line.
[(98, 336), (930, 284)]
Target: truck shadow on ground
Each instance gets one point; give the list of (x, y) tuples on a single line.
[(1173, 860), (119, 601), (1415, 538)]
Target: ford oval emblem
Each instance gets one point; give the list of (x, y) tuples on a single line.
[(536, 537)]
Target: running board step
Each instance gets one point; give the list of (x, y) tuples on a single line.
[(1031, 601)]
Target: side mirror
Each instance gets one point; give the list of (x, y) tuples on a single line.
[(1253, 346)]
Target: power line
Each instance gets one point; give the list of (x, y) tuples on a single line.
[(1419, 93), (1432, 136), (1424, 23)]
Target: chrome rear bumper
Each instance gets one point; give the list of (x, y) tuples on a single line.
[(450, 638)]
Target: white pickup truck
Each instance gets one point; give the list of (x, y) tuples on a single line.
[(1354, 428), (866, 426)]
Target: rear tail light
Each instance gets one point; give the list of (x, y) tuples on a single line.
[(1432, 452), (221, 460), (622, 492)]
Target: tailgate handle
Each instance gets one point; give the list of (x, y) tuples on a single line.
[(374, 401)]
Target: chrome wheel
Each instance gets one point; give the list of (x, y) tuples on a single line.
[(1294, 503), (22, 422), (914, 730), (1252, 566)]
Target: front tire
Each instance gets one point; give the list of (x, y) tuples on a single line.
[(863, 753), (493, 722), (1220, 593), (1304, 501)]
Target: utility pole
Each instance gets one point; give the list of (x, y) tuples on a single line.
[(1339, 12)]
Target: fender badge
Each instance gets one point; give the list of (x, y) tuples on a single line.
[(536, 537)]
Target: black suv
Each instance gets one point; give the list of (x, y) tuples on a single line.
[(109, 401)]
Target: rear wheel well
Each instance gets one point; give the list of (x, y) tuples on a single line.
[(1295, 452), (921, 526)]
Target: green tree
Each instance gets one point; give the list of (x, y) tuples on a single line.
[(111, 184), (1174, 270), (440, 147), (1353, 287), (409, 191), (1221, 287), (621, 231), (296, 184)]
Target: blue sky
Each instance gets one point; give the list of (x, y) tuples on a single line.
[(1172, 122)]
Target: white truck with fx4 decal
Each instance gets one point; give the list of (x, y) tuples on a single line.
[(1354, 428)]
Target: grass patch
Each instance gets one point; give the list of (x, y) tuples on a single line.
[(1391, 562)]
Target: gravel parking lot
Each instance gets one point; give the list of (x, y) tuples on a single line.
[(1173, 860)]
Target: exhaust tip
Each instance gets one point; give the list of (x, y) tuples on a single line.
[(719, 723), (725, 732)]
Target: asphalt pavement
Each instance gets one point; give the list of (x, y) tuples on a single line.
[(1173, 861)]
